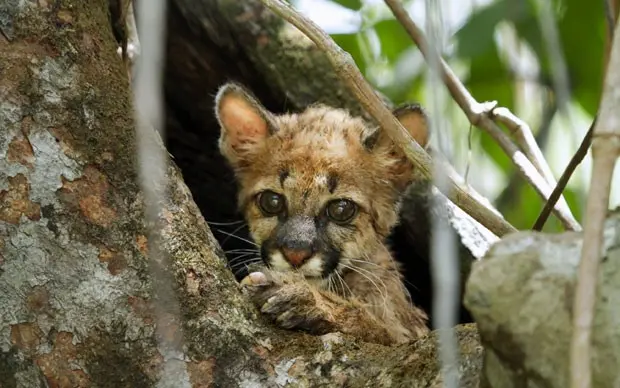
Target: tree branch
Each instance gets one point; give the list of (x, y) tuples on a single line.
[(512, 192), (346, 69), (605, 151), (522, 133), (581, 153), (610, 16), (536, 171)]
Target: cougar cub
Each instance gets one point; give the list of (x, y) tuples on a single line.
[(320, 192)]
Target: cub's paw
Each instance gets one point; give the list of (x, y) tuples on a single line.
[(291, 305)]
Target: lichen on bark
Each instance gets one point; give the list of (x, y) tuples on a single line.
[(70, 212)]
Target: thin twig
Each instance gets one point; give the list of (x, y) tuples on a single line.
[(522, 133), (581, 153), (512, 191), (444, 259), (537, 173), (610, 16), (345, 68), (605, 152)]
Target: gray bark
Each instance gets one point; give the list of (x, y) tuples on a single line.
[(75, 290)]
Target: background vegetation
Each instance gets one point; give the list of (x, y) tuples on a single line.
[(501, 50)]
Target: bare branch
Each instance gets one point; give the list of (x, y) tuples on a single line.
[(581, 153), (605, 151), (537, 173), (610, 16), (522, 133), (346, 69)]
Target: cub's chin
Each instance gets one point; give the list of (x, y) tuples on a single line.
[(313, 267), (320, 265)]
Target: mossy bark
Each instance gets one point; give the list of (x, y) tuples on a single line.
[(75, 289)]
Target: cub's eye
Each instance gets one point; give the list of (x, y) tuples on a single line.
[(270, 203), (341, 211)]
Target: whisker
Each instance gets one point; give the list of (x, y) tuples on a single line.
[(383, 292), (330, 284), (237, 237), (335, 280), (344, 285), (385, 300), (245, 266), (245, 262), (233, 233), (243, 250), (396, 275), (364, 273), (237, 258), (224, 223)]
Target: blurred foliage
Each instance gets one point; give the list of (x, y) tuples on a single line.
[(487, 44)]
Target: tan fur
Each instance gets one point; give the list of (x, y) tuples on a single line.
[(364, 296)]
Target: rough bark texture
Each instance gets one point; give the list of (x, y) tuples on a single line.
[(75, 290), (211, 42), (521, 295)]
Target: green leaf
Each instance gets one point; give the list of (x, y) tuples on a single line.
[(495, 152), (405, 90), (351, 4), (350, 44), (525, 207), (582, 33), (489, 80), (476, 35), (393, 37), (581, 27)]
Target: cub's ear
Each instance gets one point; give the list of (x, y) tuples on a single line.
[(413, 118), (244, 123)]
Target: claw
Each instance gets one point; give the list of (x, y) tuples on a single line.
[(255, 279)]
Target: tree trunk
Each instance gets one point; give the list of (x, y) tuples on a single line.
[(75, 287)]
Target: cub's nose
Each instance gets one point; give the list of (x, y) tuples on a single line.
[(295, 256)]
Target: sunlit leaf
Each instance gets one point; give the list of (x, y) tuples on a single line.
[(524, 208), (582, 32), (476, 35), (394, 39), (406, 90), (581, 27), (495, 152), (489, 79), (351, 4)]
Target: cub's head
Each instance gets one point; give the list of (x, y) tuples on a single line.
[(319, 188)]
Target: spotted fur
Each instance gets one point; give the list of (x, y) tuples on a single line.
[(347, 279)]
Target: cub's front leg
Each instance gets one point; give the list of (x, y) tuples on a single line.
[(293, 303)]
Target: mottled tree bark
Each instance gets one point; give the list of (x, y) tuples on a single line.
[(75, 290)]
